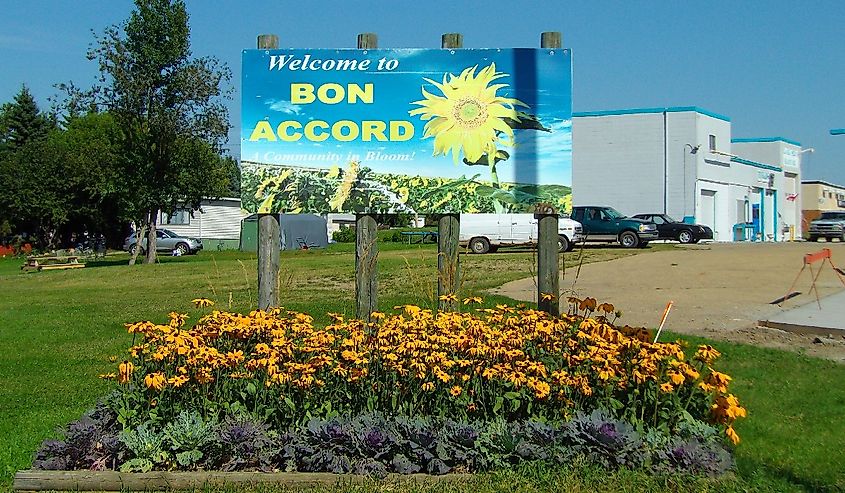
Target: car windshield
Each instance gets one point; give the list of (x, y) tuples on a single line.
[(670, 219), (168, 232), (613, 213), (833, 215)]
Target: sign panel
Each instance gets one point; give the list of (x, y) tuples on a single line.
[(406, 131)]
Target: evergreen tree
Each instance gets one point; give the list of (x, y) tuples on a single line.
[(22, 122)]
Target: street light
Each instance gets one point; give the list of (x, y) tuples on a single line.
[(692, 150)]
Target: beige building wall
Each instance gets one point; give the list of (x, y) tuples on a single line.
[(819, 196)]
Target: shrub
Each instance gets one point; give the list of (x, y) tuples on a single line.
[(346, 234)]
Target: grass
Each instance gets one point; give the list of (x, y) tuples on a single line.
[(57, 330)]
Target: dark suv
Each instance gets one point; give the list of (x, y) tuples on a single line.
[(601, 223), (830, 225)]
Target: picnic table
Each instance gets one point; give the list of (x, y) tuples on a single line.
[(51, 262), (420, 236)]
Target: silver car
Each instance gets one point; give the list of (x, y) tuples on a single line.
[(166, 241)]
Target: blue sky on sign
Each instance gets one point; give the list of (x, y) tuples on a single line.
[(538, 78), (776, 68)]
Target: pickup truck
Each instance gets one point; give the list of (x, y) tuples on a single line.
[(606, 224), (483, 233), (830, 225)]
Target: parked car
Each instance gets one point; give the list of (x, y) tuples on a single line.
[(483, 233), (606, 224), (829, 225), (166, 241), (670, 229)]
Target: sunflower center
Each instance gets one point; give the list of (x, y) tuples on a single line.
[(470, 113)]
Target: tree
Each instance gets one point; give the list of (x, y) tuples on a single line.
[(170, 109), (25, 177), (21, 121)]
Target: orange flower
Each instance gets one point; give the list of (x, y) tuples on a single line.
[(472, 299), (202, 302), (666, 387), (456, 390)]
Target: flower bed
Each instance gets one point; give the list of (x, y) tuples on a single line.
[(415, 391)]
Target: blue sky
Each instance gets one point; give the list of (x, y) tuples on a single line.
[(776, 68)]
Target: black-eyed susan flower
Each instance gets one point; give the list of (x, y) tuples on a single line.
[(124, 372), (473, 300), (547, 297), (202, 302), (450, 297)]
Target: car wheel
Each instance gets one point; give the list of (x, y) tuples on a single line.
[(134, 247), (629, 239), (685, 236), (563, 244), (183, 249), (479, 245)]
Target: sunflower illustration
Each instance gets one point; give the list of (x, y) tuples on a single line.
[(470, 117)]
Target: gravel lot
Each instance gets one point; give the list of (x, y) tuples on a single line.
[(720, 290)]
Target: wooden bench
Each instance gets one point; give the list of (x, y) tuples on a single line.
[(47, 262), (420, 236)]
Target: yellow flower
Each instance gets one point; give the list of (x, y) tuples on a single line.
[(666, 387), (108, 376), (202, 302), (427, 386), (456, 390), (124, 372), (731, 433), (451, 297), (472, 299), (706, 353), (155, 381), (547, 297), (469, 115)]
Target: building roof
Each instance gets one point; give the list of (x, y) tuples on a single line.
[(635, 111), (749, 162), (822, 182), (766, 139)]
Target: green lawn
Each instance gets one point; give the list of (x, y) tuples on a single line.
[(58, 329)]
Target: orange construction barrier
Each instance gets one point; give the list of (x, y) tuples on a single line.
[(809, 259)]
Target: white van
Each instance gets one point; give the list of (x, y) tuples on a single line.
[(484, 233)]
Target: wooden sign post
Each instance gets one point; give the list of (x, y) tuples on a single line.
[(269, 231), (366, 239), (548, 281), (448, 229)]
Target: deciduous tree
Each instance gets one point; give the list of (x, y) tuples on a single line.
[(169, 107)]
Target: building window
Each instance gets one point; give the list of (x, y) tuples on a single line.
[(712, 142), (180, 217)]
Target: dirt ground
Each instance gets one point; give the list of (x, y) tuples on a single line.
[(720, 290)]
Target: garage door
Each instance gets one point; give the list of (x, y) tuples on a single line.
[(708, 209)]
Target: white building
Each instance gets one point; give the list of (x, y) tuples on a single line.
[(683, 161), (217, 223)]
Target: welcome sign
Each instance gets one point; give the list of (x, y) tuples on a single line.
[(406, 131)]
